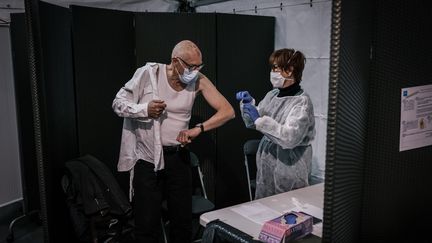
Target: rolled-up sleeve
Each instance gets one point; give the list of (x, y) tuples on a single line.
[(126, 103)]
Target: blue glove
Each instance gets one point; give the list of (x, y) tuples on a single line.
[(251, 111), (245, 96)]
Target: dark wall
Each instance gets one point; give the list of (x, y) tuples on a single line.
[(347, 127), (244, 47), (397, 184), (57, 107), (104, 59), (157, 34)]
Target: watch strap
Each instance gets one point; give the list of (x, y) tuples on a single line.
[(201, 126)]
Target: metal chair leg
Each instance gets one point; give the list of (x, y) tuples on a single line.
[(248, 178), (165, 237), (11, 236)]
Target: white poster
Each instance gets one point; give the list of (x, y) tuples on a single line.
[(416, 117)]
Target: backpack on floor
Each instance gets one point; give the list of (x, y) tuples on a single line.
[(98, 208)]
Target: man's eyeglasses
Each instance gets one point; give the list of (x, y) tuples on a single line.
[(191, 66)]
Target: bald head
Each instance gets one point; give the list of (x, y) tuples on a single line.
[(186, 49)]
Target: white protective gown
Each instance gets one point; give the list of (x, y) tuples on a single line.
[(284, 155)]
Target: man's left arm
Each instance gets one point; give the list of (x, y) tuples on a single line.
[(224, 111)]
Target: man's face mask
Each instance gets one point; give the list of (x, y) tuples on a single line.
[(277, 79), (189, 75)]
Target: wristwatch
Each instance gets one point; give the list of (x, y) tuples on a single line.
[(201, 126)]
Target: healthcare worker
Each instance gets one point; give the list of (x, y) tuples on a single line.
[(286, 118)]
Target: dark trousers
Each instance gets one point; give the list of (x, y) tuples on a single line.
[(174, 184)]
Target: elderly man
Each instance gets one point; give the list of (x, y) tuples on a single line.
[(156, 105)]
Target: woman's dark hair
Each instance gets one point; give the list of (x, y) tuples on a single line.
[(286, 58)]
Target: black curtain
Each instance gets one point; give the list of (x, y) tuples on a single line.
[(242, 65), (396, 183), (53, 68), (104, 59), (377, 49), (24, 112), (347, 126)]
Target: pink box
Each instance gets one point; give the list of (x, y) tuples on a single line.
[(288, 227)]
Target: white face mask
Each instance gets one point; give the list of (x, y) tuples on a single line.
[(277, 79), (188, 76)]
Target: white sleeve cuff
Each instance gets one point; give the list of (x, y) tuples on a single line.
[(259, 122), (142, 108)]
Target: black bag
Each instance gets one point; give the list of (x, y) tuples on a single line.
[(98, 208)]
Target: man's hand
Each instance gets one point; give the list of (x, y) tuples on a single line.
[(155, 108), (186, 136)]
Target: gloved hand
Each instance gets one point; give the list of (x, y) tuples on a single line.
[(251, 111), (245, 96)]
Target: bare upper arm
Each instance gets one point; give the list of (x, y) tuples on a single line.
[(211, 94)]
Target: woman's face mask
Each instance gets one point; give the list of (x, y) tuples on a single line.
[(277, 79)]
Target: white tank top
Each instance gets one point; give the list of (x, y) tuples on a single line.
[(178, 110)]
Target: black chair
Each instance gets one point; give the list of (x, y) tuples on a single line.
[(250, 149), (200, 202)]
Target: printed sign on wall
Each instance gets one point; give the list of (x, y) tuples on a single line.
[(416, 117)]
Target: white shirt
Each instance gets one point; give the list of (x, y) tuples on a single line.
[(141, 135)]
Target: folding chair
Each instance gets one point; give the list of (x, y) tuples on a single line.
[(250, 149), (200, 202)]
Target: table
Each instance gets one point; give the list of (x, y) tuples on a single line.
[(309, 200)]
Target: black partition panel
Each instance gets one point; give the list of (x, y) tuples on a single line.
[(347, 114), (373, 191), (244, 46), (28, 166), (58, 111), (104, 59), (157, 33), (397, 184)]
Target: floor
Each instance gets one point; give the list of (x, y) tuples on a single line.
[(26, 229)]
